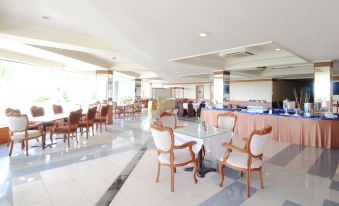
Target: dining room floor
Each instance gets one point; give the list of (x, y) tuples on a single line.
[(118, 167)]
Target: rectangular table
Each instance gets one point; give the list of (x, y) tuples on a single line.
[(208, 138), (45, 120)]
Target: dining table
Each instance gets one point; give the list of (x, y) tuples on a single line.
[(47, 120), (207, 137)]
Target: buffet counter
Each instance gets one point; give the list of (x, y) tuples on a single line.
[(310, 131)]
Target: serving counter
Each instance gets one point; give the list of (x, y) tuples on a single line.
[(313, 131)]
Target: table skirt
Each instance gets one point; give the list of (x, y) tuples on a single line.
[(302, 131)]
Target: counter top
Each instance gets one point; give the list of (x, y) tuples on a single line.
[(274, 114)]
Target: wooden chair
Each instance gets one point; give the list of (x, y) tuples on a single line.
[(190, 110), (168, 120), (130, 110), (57, 109), (171, 155), (226, 121), (19, 131), (101, 117), (69, 127), (88, 121), (202, 105), (246, 159)]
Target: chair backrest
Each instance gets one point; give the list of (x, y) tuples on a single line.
[(57, 109), (74, 117), (91, 113), (12, 112), (163, 137), (104, 110), (168, 120), (37, 111), (226, 121), (190, 110), (258, 139), (17, 123)]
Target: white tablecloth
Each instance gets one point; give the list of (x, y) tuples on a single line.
[(212, 143)]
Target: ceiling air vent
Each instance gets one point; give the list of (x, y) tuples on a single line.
[(235, 53)]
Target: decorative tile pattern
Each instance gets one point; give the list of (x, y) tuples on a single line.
[(234, 194), (334, 185), (290, 203), (286, 155)]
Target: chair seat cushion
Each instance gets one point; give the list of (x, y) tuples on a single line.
[(180, 156), (239, 160), (21, 135), (100, 120), (84, 124), (64, 129)]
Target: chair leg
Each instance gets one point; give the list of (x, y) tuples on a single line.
[(100, 127), (68, 137), (76, 137), (221, 173), (26, 147), (51, 137), (261, 179), (241, 174), (87, 132), (81, 131), (172, 178), (175, 170), (43, 141), (248, 182), (106, 126), (11, 147), (22, 145), (195, 169), (158, 172), (93, 130)]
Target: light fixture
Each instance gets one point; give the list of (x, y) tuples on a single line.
[(177, 72), (46, 17), (203, 34), (277, 49)]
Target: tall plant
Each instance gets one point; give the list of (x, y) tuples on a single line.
[(302, 97)]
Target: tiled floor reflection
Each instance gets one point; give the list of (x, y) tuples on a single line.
[(110, 166)]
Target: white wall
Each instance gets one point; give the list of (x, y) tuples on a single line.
[(190, 90), (245, 91)]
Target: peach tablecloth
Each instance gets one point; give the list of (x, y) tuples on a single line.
[(303, 131)]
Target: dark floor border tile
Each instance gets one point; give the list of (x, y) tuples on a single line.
[(112, 191)]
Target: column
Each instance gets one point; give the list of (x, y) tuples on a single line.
[(221, 91), (323, 86), (137, 88), (104, 84)]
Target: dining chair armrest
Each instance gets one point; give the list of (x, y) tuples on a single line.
[(33, 126), (232, 147), (187, 144)]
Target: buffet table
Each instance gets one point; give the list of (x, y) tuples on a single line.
[(315, 132)]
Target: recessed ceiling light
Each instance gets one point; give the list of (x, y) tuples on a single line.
[(176, 72), (45, 17), (203, 34), (277, 49)]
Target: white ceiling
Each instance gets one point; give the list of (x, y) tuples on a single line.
[(144, 35)]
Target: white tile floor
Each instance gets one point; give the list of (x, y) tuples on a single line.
[(81, 175)]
